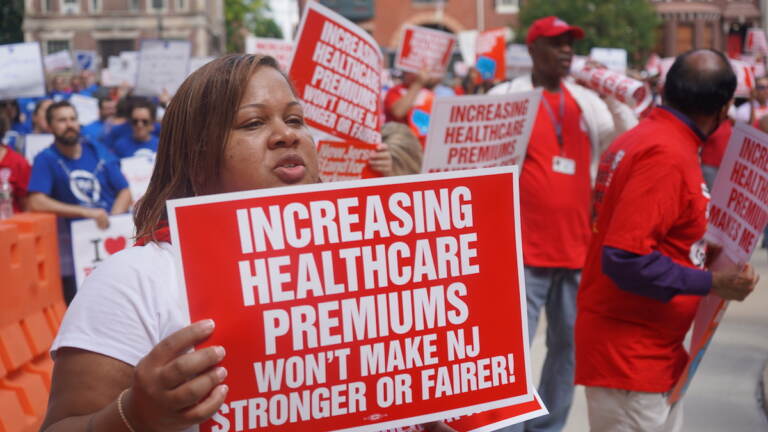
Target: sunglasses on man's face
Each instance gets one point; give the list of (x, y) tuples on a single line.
[(143, 122), (761, 87)]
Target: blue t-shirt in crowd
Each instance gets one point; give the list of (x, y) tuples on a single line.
[(58, 96), (123, 130), (93, 180), (90, 90), (128, 146)]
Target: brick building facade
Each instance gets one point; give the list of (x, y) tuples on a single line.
[(111, 26)]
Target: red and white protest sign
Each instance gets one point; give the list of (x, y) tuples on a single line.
[(630, 91), (738, 213), (279, 49), (360, 305), (745, 78), (339, 160), (423, 48), (739, 207), (756, 41), (337, 73), (479, 131), (491, 54)]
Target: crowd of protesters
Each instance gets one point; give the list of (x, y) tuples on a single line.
[(613, 257)]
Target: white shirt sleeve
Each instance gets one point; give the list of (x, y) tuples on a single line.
[(126, 306), (742, 112)]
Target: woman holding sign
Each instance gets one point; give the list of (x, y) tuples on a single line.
[(122, 355)]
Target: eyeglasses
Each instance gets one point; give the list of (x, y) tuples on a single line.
[(143, 122), (761, 87)]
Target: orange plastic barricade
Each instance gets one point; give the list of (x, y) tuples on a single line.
[(30, 313)]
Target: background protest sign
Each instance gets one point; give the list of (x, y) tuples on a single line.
[(518, 60), (339, 160), (21, 71), (491, 54), (120, 69), (58, 61), (498, 418), (361, 305), (468, 45), (738, 213), (137, 171), (87, 108), (86, 60), (92, 245), (479, 131), (34, 144), (745, 78), (756, 42), (615, 59), (337, 74), (424, 48), (162, 65), (279, 49), (739, 207)]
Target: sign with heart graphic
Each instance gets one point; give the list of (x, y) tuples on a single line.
[(92, 245)]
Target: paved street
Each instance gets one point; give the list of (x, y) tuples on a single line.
[(724, 393)]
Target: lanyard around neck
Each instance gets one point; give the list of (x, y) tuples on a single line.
[(557, 122)]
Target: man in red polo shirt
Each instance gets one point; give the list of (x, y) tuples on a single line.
[(572, 126), (643, 277)]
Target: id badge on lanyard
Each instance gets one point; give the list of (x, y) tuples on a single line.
[(560, 164)]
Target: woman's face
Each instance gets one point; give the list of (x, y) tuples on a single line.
[(269, 144)]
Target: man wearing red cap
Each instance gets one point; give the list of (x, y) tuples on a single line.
[(572, 126)]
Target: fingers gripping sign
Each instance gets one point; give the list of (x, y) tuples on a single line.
[(175, 388)]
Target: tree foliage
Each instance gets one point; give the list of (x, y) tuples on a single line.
[(248, 16), (628, 24), (11, 17)]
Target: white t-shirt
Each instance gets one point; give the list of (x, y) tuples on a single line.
[(130, 302)]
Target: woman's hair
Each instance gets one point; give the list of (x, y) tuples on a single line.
[(194, 131), (404, 147)]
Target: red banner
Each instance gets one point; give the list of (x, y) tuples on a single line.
[(361, 305), (424, 48), (336, 69)]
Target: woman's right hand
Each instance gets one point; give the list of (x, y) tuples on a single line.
[(173, 388)]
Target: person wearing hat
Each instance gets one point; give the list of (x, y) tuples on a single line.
[(571, 128)]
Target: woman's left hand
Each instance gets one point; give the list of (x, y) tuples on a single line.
[(381, 160)]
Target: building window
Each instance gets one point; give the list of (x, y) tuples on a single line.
[(47, 6), (95, 6), (507, 6), (134, 5), (428, 1), (181, 5), (53, 46), (156, 5), (70, 7)]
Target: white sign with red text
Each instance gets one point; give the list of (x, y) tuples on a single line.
[(756, 41), (279, 49), (423, 48), (739, 207), (479, 131), (92, 245)]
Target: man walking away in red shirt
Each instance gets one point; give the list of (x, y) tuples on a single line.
[(644, 274)]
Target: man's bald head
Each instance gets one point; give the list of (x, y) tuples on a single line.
[(700, 82)]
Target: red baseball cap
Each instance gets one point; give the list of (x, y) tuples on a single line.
[(551, 26)]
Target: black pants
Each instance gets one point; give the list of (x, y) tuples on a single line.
[(69, 286)]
